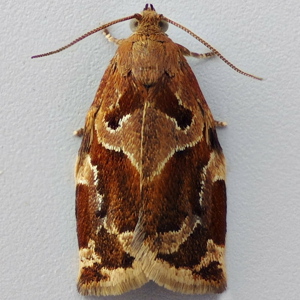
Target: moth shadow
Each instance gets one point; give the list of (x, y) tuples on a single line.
[(151, 291)]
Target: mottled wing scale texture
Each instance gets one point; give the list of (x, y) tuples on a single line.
[(151, 196)]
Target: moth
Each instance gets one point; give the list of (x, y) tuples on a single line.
[(150, 173)]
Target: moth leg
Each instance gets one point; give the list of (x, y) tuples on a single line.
[(220, 124), (79, 132), (110, 37), (187, 52), (201, 55)]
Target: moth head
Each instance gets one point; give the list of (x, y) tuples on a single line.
[(148, 22), (135, 25)]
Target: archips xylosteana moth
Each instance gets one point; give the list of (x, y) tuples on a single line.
[(150, 173)]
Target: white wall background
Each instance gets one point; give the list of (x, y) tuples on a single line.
[(44, 100)]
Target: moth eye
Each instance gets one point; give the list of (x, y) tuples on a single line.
[(164, 25), (134, 23)]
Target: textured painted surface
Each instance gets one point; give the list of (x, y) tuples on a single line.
[(43, 101)]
